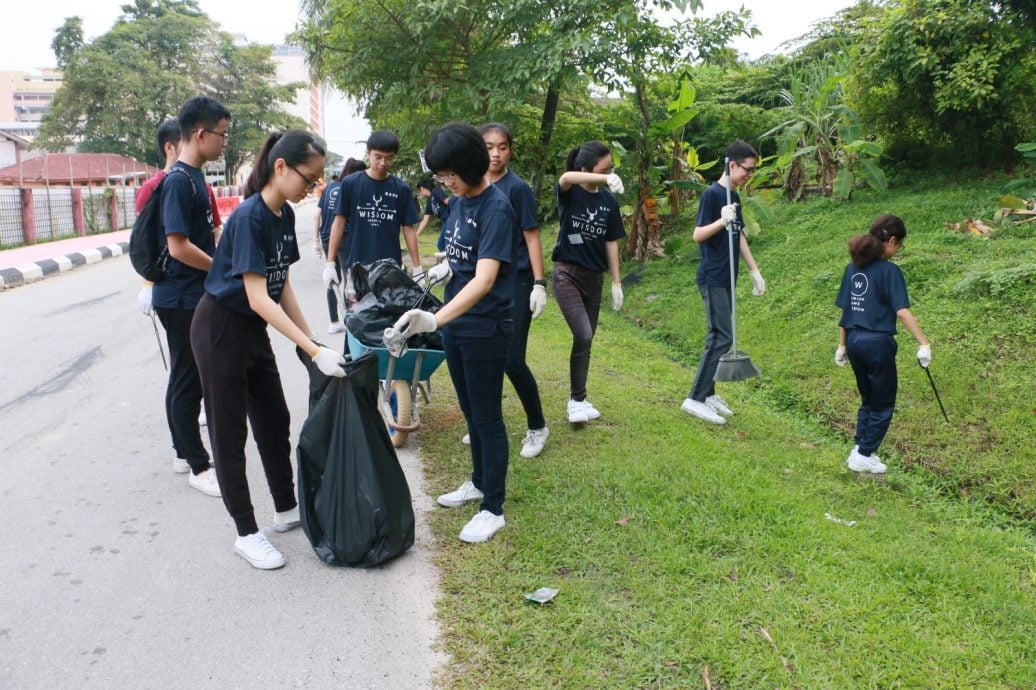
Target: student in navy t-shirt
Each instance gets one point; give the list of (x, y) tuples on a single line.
[(587, 248), (246, 290), (530, 292), (187, 217), (481, 244), (375, 205), (872, 296), (328, 200), (717, 222)]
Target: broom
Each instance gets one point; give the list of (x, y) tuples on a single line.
[(735, 365)]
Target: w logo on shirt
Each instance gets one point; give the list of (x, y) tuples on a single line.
[(858, 285)]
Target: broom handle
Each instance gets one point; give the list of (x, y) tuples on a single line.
[(730, 242)]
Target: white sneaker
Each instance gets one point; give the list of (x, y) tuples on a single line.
[(718, 405), (257, 550), (180, 465), (862, 463), (580, 412), (336, 327), (481, 527), (532, 444), (466, 493), (466, 440), (202, 419), (288, 520), (205, 482), (701, 411), (591, 411)]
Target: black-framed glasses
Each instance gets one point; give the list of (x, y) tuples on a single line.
[(223, 135), (446, 180), (749, 171), (310, 184)]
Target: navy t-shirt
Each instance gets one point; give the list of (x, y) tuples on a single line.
[(328, 199), (435, 205), (589, 220), (870, 297), (714, 269), (375, 211), (524, 204), (254, 240), (482, 227), (186, 209)]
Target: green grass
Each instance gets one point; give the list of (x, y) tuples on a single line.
[(676, 544)]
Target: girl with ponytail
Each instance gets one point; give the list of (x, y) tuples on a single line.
[(247, 289), (587, 248), (872, 296)]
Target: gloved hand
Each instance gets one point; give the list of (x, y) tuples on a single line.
[(329, 362), (924, 355), (417, 273), (758, 284), (616, 296), (330, 275), (440, 272), (537, 300), (840, 357), (729, 214), (144, 300), (416, 321), (615, 184)]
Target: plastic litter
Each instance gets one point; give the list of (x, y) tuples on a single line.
[(542, 595), (840, 521)]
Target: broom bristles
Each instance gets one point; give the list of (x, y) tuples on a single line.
[(735, 366)]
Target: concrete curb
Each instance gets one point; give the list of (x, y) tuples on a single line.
[(45, 268)]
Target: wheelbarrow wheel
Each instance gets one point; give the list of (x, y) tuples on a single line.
[(400, 403)]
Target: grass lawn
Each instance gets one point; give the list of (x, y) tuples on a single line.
[(689, 555)]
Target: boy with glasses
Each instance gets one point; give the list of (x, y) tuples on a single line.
[(717, 218), (375, 205)]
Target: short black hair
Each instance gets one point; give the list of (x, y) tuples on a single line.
[(200, 112), (168, 133), (499, 127), (459, 148), (739, 151), (426, 183), (383, 140)]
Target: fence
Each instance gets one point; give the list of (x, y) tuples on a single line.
[(54, 214)]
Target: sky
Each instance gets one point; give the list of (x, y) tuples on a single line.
[(31, 26)]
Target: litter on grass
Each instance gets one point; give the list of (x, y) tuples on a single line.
[(840, 521), (542, 595)]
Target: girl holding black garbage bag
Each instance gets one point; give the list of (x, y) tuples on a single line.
[(481, 245), (872, 296), (247, 289)]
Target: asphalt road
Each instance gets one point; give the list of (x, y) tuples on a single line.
[(114, 573)]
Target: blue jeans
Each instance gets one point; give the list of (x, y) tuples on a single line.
[(873, 359), (517, 369), (477, 370), (718, 339)]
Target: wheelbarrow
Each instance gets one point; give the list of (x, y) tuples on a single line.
[(403, 380)]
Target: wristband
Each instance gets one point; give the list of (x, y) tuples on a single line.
[(541, 281)]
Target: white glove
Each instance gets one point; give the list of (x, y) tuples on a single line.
[(840, 356), (924, 355), (330, 275), (537, 300), (144, 300), (615, 184), (440, 272), (616, 296), (729, 214), (416, 321), (329, 362), (758, 284), (417, 273)]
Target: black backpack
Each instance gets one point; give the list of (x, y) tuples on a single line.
[(148, 250)]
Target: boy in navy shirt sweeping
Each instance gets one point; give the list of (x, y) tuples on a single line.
[(717, 218), (376, 205), (187, 217)]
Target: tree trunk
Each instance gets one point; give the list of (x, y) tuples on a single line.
[(644, 242), (550, 113)]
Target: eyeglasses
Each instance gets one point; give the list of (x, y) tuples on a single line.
[(749, 171), (444, 179), (310, 184), (223, 135), (382, 158)]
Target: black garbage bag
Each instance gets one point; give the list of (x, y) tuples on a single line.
[(354, 500), (386, 292)]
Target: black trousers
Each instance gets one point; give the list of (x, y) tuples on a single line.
[(240, 379), (183, 394), (578, 293), (517, 369)]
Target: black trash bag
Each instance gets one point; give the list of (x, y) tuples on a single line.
[(386, 292), (354, 500)]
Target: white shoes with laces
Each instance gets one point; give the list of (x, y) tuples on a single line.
[(863, 463), (581, 411), (288, 520), (532, 444), (482, 527), (718, 405), (205, 482), (701, 410), (464, 494), (257, 550)]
